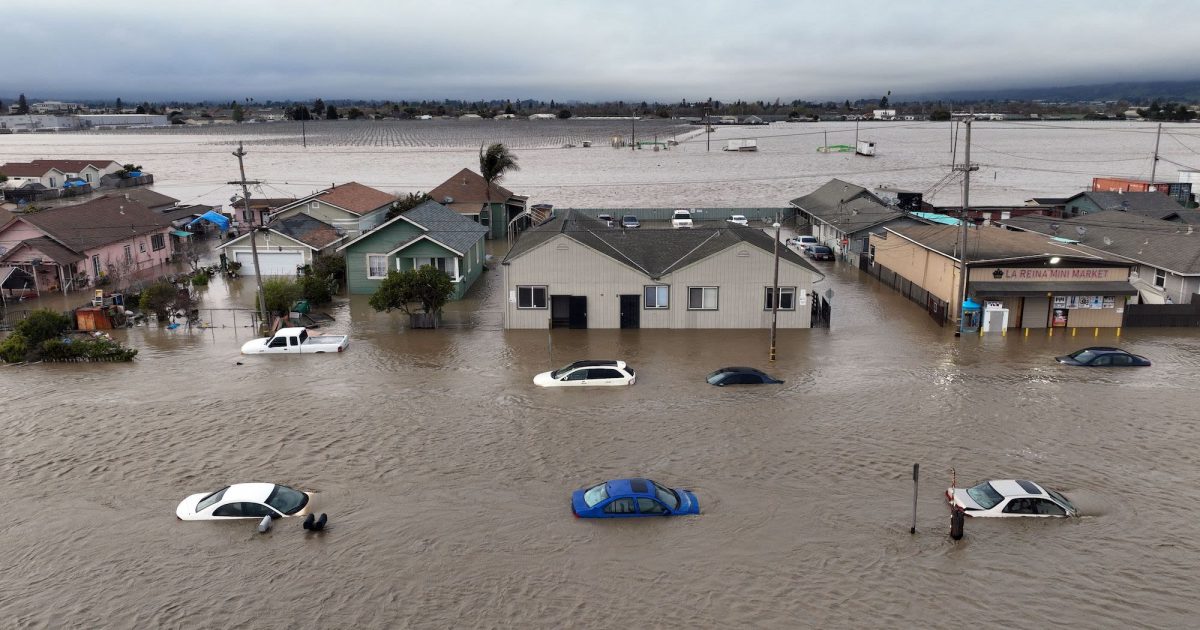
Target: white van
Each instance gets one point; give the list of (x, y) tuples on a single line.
[(681, 219)]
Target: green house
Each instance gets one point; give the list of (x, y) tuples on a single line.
[(493, 207), (429, 234)]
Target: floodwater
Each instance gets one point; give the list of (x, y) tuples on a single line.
[(446, 476)]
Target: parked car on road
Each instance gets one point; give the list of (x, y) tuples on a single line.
[(296, 341), (244, 500), (1103, 357), (803, 242), (630, 221), (681, 219), (738, 219), (740, 376), (588, 373), (1009, 497), (626, 498), (607, 219), (819, 252)]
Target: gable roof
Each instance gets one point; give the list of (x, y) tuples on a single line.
[(74, 166), (104, 220), (26, 169), (652, 251), (1152, 204), (354, 197), (435, 221), (49, 248), (993, 244), (847, 207), (468, 191), (302, 228), (149, 198), (1154, 242)]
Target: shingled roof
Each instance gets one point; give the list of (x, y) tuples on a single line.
[(107, 219), (848, 207), (26, 169), (1155, 205), (654, 252), (994, 244), (354, 197), (467, 191), (1154, 242), (74, 166), (311, 231)]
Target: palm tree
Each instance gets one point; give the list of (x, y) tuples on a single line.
[(494, 162)]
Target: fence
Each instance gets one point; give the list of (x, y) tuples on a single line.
[(937, 308), (1139, 315)]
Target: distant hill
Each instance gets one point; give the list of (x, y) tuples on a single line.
[(1135, 92)]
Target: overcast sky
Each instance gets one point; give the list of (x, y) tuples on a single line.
[(579, 49)]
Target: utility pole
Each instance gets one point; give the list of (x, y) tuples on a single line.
[(1154, 167), (775, 292), (262, 299), (966, 168), (633, 133), (303, 135), (707, 130)]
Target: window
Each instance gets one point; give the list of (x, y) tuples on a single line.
[(376, 266), (619, 506), (702, 298), (1044, 507), (157, 242), (87, 177), (292, 341), (657, 296), (531, 297), (53, 182), (650, 506), (787, 298), (96, 266), (258, 510), (578, 375), (142, 247), (666, 495), (1122, 359), (128, 254), (211, 499), (604, 373), (1102, 360), (278, 342), (248, 215), (436, 263), (229, 509), (985, 495), (596, 494), (1160, 278), (314, 204), (1020, 506)]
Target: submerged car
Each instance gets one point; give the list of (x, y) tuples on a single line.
[(1103, 357), (626, 498), (740, 376), (588, 373), (818, 252), (630, 221), (1010, 497), (738, 219), (244, 500)]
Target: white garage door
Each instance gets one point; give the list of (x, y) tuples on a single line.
[(273, 263)]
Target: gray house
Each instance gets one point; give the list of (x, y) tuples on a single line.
[(575, 271), (1153, 205), (1167, 253), (843, 216)]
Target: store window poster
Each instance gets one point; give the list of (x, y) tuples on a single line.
[(1059, 317), (1110, 301)]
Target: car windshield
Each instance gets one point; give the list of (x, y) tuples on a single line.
[(985, 495), (715, 377), (1061, 499), (211, 499), (562, 370), (595, 494), (667, 496), (822, 250), (286, 500), (682, 215), (1083, 356)]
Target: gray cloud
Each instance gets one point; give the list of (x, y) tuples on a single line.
[(666, 50)]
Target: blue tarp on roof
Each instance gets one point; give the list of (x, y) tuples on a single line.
[(936, 218), (216, 218)]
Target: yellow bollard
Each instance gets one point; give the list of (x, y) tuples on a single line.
[(1026, 332), (1073, 331), (1051, 329), (1097, 334), (981, 331), (1118, 331)]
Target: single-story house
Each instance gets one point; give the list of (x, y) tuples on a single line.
[(468, 193), (574, 271), (1167, 253), (429, 234), (352, 208), (70, 247), (1154, 205), (284, 246), (21, 173), (89, 171), (1023, 280), (844, 215)]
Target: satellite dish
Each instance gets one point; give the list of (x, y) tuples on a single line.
[(1080, 230), (1108, 241)]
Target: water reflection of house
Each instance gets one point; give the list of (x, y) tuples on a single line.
[(70, 247), (575, 271)]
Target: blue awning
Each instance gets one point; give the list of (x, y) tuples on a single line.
[(216, 218)]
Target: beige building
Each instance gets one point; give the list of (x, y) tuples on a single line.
[(1018, 279), (575, 271)]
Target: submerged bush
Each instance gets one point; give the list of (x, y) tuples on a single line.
[(43, 324), (14, 348)]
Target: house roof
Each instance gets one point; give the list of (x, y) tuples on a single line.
[(26, 169), (308, 230), (184, 212), (104, 220), (74, 166), (652, 251), (354, 197), (1152, 204), (150, 198), (1154, 242), (994, 244), (847, 207), (49, 248), (436, 222), (263, 203), (468, 191)]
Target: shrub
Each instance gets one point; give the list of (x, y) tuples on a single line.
[(93, 348), (158, 299), (324, 266), (280, 294), (317, 289), (427, 286), (200, 279), (41, 325), (14, 348)]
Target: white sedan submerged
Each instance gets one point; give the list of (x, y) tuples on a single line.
[(588, 373), (1009, 497), (245, 500)]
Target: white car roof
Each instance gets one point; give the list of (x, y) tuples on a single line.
[(289, 331), (255, 492), (1012, 488)]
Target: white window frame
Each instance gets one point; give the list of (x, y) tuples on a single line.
[(313, 205), (767, 291), (128, 254), (142, 247), (1160, 278), (659, 289), (532, 301), (385, 266), (157, 242), (716, 302)]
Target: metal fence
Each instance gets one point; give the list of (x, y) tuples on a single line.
[(937, 308), (1153, 315)]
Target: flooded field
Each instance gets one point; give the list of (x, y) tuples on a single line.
[(446, 475)]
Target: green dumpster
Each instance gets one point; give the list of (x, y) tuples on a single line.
[(301, 307)]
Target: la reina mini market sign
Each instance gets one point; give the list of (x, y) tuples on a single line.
[(1042, 274)]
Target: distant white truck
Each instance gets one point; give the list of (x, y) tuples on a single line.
[(296, 341)]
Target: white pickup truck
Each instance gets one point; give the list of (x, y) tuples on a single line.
[(296, 341)]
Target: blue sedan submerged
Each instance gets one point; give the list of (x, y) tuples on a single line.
[(623, 498)]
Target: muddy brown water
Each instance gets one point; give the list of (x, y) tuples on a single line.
[(446, 475)]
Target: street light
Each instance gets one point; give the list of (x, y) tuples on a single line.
[(775, 292)]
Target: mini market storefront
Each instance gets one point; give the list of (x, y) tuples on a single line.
[(1051, 295)]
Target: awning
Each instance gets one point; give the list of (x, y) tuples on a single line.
[(180, 233), (1000, 288), (216, 218)]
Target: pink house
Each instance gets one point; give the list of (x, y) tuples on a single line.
[(71, 247)]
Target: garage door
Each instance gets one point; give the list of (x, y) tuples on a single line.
[(273, 263)]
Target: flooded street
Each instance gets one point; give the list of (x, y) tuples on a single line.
[(447, 475)]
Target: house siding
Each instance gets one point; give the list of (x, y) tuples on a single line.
[(276, 243), (925, 268), (348, 223), (385, 240)]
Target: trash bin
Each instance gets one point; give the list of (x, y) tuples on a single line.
[(301, 307)]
